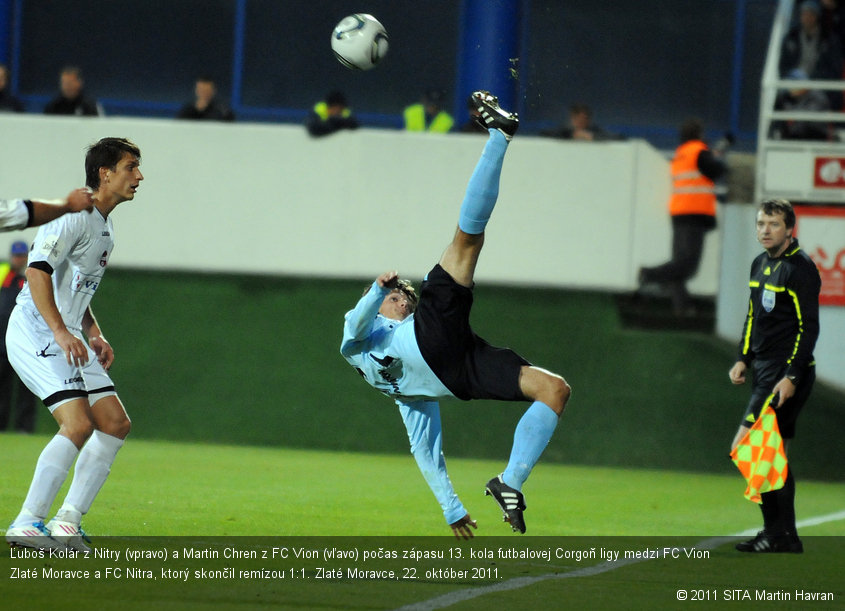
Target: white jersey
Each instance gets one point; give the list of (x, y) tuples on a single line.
[(14, 214), (77, 247)]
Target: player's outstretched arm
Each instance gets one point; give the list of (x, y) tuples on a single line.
[(422, 421), (359, 321), (76, 201)]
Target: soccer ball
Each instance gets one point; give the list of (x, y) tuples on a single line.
[(359, 41)]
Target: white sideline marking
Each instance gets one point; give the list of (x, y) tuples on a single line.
[(457, 596)]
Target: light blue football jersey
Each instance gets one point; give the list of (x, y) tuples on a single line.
[(385, 352)]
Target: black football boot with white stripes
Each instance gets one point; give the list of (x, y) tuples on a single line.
[(486, 112), (510, 500), (764, 543)]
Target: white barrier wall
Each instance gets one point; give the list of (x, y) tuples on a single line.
[(269, 199)]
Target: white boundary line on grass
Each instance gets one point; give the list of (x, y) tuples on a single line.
[(446, 600)]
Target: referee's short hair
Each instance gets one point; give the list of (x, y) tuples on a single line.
[(106, 153), (779, 206)]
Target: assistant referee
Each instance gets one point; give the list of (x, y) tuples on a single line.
[(778, 339)]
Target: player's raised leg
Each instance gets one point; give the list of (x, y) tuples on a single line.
[(461, 256)]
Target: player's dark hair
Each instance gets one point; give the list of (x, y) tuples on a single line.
[(779, 206), (407, 289), (106, 153)]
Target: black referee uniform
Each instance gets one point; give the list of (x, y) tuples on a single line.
[(778, 339)]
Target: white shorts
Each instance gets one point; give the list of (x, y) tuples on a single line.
[(42, 365)]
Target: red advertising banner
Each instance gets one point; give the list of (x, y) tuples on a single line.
[(822, 236), (829, 173)]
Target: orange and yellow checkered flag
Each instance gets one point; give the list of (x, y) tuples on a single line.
[(759, 456)]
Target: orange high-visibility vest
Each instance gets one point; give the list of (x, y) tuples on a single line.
[(692, 192)]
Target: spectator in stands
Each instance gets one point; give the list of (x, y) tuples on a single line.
[(330, 115), (802, 100), (692, 206), (8, 102), (813, 49), (72, 99), (205, 104), (580, 127), (832, 20), (428, 115)]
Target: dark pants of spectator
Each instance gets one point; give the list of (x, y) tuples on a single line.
[(12, 390), (688, 233)]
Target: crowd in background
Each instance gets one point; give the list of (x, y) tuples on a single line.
[(812, 49)]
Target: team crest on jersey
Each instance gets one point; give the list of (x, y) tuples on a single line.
[(768, 300), (104, 258)]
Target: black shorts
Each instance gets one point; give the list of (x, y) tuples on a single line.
[(766, 375), (466, 364)]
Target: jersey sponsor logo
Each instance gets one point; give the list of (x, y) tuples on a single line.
[(44, 354), (390, 372), (76, 380), (104, 258), (106, 233), (51, 247), (83, 283), (768, 300), (385, 362)]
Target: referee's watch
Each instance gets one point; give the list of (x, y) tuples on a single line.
[(793, 379)]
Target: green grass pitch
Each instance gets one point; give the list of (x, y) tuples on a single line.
[(178, 495), (639, 463)]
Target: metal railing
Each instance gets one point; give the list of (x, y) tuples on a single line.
[(789, 168)]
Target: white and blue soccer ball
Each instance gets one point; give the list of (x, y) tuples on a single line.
[(359, 41)]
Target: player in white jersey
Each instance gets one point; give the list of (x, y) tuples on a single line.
[(45, 346), (419, 350), (22, 213)]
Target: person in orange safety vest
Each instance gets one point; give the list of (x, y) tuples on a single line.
[(695, 169)]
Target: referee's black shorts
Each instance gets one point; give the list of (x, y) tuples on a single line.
[(466, 364), (767, 373)]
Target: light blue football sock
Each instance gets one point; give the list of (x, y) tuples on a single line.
[(483, 188), (531, 437)]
